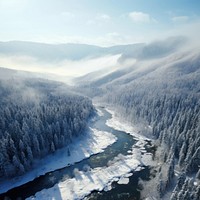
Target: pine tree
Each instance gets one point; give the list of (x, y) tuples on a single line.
[(52, 148), (182, 154), (198, 174)]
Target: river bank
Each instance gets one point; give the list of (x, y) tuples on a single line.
[(93, 142)]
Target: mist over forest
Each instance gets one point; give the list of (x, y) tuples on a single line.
[(154, 85), (99, 100)]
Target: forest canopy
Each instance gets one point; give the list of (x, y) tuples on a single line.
[(37, 117)]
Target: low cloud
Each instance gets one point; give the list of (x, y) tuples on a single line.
[(99, 19), (62, 68), (140, 17), (180, 19), (103, 17)]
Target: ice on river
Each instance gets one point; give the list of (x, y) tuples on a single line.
[(123, 181), (94, 180)]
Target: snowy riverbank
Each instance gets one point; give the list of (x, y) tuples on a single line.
[(95, 179), (121, 125), (93, 142)]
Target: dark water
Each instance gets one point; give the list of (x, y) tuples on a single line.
[(123, 144), (130, 191)]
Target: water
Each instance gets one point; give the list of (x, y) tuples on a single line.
[(123, 144), (129, 191)]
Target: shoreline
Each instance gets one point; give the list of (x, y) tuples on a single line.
[(93, 142)]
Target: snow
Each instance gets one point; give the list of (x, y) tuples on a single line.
[(128, 175), (118, 124), (147, 160), (195, 183), (99, 112), (121, 125), (93, 142), (108, 187), (123, 181), (95, 180)]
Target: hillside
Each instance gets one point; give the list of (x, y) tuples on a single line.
[(163, 92), (58, 52), (37, 117)]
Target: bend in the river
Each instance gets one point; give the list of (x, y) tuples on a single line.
[(123, 144)]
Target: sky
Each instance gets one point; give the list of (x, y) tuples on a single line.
[(97, 22)]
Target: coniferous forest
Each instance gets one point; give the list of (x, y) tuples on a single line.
[(162, 97), (168, 101), (100, 100), (36, 119), (175, 121), (159, 94)]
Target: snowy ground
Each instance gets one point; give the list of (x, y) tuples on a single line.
[(92, 143), (96, 179), (119, 124)]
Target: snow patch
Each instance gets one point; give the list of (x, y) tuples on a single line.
[(121, 125), (128, 175), (99, 112), (147, 159), (195, 183), (123, 181), (108, 187)]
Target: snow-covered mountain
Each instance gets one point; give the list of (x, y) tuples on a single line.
[(58, 52), (61, 59), (139, 62)]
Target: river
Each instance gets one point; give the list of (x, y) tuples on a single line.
[(123, 145)]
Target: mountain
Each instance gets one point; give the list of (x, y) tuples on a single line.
[(148, 59), (57, 52), (60, 59)]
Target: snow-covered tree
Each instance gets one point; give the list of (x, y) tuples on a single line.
[(33, 128)]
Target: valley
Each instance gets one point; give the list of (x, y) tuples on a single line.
[(120, 132)]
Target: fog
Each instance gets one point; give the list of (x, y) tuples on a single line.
[(64, 68), (57, 60)]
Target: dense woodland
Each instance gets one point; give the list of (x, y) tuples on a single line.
[(36, 119), (160, 91), (161, 95), (170, 103)]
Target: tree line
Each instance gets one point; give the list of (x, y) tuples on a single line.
[(35, 120), (171, 106)]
